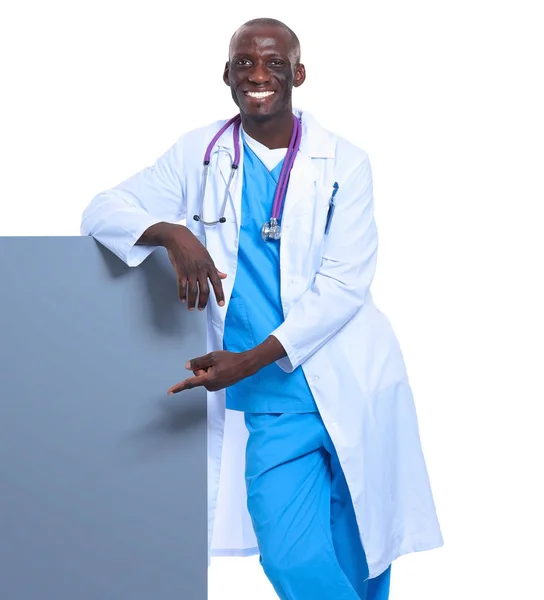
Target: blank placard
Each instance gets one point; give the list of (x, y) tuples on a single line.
[(102, 475)]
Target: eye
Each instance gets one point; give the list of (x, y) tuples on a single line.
[(242, 62), (277, 63)]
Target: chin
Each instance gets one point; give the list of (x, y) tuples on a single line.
[(258, 112)]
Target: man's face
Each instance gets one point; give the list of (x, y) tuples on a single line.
[(262, 70)]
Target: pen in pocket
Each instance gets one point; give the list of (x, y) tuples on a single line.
[(332, 206)]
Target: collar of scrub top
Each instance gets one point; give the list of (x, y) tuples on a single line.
[(316, 142), (271, 230)]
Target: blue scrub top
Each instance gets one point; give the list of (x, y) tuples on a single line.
[(255, 308)]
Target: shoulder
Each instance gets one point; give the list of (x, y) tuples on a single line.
[(195, 141), (348, 150), (325, 143), (204, 133)]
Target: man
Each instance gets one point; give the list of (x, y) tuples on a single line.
[(314, 455)]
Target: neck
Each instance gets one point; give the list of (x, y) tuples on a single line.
[(273, 132)]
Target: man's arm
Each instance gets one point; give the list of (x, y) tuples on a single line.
[(140, 214), (338, 292), (343, 280), (121, 218), (218, 370)]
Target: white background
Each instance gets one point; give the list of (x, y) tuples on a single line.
[(447, 98)]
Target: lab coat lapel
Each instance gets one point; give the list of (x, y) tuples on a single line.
[(301, 192), (301, 188)]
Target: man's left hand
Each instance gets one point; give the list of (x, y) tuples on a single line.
[(216, 371)]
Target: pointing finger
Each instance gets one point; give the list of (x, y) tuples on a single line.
[(188, 384)]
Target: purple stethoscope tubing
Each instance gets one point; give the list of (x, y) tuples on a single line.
[(283, 181), (281, 188)]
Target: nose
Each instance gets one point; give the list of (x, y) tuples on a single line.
[(259, 74)]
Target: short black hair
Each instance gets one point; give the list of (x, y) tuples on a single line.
[(272, 23)]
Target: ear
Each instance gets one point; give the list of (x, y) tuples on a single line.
[(226, 73), (300, 75)]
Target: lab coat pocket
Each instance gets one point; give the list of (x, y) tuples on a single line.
[(305, 237), (310, 216)]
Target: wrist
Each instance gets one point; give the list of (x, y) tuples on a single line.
[(161, 234), (252, 362), (264, 354)]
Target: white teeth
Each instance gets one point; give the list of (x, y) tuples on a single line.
[(259, 94)]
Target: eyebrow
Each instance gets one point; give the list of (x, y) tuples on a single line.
[(272, 55)]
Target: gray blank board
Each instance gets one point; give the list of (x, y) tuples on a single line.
[(102, 475)]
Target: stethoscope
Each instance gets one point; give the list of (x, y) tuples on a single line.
[(271, 230)]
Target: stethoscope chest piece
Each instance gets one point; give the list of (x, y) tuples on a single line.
[(271, 230)]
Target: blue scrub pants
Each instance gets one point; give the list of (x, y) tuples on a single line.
[(302, 512)]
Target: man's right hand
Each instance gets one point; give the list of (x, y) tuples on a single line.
[(191, 261)]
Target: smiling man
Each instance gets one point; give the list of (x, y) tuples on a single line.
[(271, 53), (313, 447)]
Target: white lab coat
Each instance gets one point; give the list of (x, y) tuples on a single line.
[(346, 346)]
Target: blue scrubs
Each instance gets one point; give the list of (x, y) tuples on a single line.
[(298, 499), (255, 308), (302, 512)]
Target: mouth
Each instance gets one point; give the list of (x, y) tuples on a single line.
[(259, 95)]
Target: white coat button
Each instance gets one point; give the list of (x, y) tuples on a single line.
[(316, 377)]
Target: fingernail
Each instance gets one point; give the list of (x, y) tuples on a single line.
[(187, 365), (222, 303), (170, 393)]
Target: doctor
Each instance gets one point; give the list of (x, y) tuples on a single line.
[(314, 458)]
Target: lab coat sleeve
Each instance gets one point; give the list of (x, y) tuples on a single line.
[(343, 280), (118, 217)]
